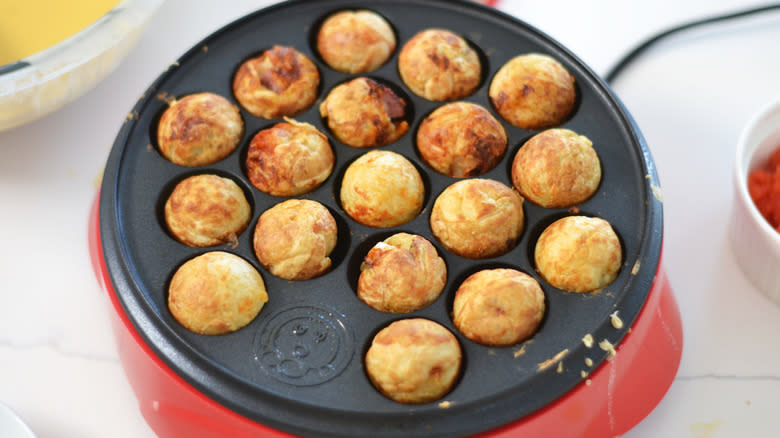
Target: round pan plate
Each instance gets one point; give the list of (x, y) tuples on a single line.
[(258, 371)]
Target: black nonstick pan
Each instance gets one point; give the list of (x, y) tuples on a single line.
[(255, 370)]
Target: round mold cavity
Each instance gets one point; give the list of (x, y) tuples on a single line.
[(255, 53), (484, 62), (448, 326), (339, 178), (416, 128), (359, 255), (507, 250), (167, 99), (542, 225), (453, 290), (409, 108), (337, 256), (169, 187), (167, 315), (578, 90), (247, 142), (317, 25)]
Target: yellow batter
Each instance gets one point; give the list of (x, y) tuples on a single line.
[(30, 26)]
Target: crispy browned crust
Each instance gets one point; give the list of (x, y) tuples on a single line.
[(533, 91), (461, 139), (199, 129), (364, 113), (478, 218), (402, 274), (216, 293), (355, 41), (439, 65), (556, 168), (414, 360), (206, 210), (498, 307), (294, 239), (280, 82), (382, 189), (289, 159), (578, 254)]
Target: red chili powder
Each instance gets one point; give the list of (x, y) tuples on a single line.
[(764, 188)]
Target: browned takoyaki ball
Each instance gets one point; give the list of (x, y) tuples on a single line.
[(401, 274), (414, 360), (289, 159), (498, 307), (206, 210), (556, 168), (355, 41), (364, 113), (461, 139), (438, 64), (533, 91), (199, 129), (382, 189), (216, 293), (478, 218), (294, 239), (578, 254), (279, 82)]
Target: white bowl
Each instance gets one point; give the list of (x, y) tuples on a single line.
[(755, 243), (11, 426), (63, 72)]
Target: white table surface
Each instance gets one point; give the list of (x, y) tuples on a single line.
[(690, 95)]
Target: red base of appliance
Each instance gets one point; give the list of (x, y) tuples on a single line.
[(608, 402)]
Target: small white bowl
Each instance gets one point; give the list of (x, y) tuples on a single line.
[(11, 426), (755, 243)]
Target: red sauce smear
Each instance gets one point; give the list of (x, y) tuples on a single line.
[(764, 188)]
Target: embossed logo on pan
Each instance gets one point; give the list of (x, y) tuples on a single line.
[(304, 345)]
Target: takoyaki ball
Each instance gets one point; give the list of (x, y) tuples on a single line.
[(578, 254), (207, 210), (533, 91), (401, 274), (294, 239), (289, 159), (414, 360), (461, 139), (364, 113), (439, 65), (357, 41), (478, 218), (199, 129), (279, 82), (498, 307), (556, 168), (382, 189), (216, 293)]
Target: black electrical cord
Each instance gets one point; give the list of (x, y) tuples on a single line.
[(639, 49)]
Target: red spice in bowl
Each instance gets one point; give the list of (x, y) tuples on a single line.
[(764, 188)]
